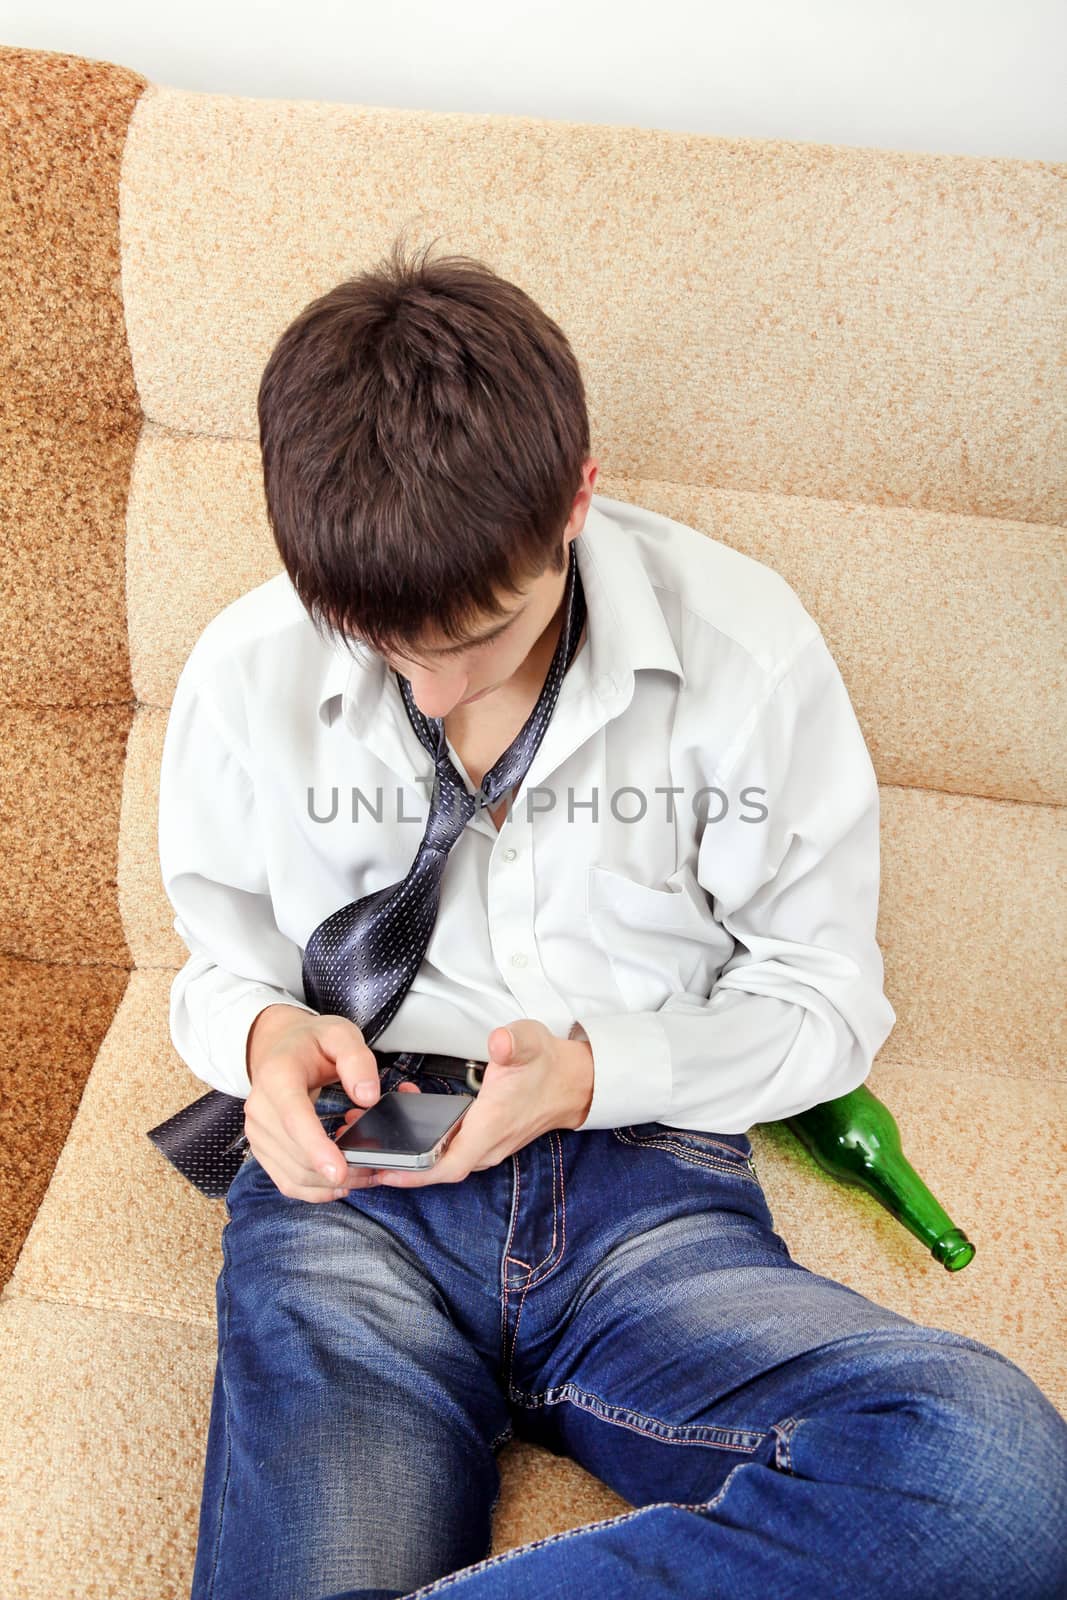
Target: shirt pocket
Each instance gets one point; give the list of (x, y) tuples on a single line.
[(656, 941)]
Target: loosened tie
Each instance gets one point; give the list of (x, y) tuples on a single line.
[(361, 960)]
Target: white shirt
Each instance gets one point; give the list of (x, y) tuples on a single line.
[(721, 962)]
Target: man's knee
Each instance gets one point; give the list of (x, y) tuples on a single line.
[(987, 1450), (966, 1458), (1005, 1471)]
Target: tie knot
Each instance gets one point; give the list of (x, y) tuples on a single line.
[(451, 808)]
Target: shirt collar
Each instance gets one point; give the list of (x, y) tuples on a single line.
[(626, 628)]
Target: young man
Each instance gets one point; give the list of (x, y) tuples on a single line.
[(653, 926)]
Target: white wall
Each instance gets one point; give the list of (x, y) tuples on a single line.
[(971, 77)]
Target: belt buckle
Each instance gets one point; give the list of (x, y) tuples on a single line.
[(475, 1074)]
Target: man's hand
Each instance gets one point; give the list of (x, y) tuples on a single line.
[(292, 1054), (540, 1082)]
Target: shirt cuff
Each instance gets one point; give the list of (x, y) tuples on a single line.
[(632, 1078), (229, 1031)]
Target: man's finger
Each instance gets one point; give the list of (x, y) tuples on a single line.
[(355, 1112), (447, 1170), (453, 1166)]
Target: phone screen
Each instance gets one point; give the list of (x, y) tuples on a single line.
[(402, 1128)]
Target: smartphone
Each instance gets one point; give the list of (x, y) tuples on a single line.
[(403, 1130)]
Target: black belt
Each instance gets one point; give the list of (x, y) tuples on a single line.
[(463, 1069)]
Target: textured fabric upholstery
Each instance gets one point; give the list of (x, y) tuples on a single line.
[(839, 360)]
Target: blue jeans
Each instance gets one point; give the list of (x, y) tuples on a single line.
[(618, 1296)]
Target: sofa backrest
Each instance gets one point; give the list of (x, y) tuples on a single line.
[(846, 362), (842, 361)]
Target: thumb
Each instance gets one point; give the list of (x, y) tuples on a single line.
[(516, 1044), (359, 1077)]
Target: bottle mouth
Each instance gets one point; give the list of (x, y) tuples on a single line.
[(954, 1250)]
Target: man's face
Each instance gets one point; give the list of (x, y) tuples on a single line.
[(444, 677)]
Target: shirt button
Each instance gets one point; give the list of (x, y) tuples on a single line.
[(518, 959), (510, 854)]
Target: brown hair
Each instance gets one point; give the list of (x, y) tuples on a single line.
[(423, 429)]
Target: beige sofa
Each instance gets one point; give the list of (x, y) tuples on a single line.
[(841, 361)]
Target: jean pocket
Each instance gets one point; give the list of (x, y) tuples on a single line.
[(237, 1183), (720, 1152), (333, 1098), (437, 1083), (333, 1101)]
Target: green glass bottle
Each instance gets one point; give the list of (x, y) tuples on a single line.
[(855, 1138)]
